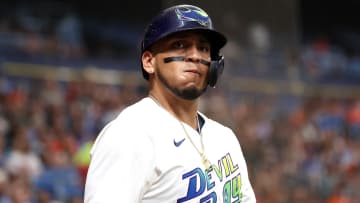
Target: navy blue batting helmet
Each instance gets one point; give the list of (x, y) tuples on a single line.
[(182, 18)]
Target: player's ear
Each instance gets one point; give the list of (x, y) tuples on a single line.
[(148, 62)]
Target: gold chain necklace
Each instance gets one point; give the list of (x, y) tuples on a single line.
[(204, 159)]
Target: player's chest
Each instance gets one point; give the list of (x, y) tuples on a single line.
[(181, 173)]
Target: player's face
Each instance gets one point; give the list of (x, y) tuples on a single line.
[(187, 79)]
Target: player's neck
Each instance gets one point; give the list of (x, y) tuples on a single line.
[(184, 110)]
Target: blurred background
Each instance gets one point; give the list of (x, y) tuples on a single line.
[(290, 91)]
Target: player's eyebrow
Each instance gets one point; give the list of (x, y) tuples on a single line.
[(160, 46)]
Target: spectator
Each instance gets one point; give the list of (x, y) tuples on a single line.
[(22, 161)]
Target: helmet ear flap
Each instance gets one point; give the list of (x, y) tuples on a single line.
[(215, 70)]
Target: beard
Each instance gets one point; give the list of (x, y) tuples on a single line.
[(189, 93)]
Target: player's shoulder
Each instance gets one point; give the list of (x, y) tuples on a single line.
[(130, 118), (137, 111), (128, 121)]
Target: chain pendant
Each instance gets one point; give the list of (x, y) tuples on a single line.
[(205, 161)]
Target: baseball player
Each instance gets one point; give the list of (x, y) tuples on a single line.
[(162, 149)]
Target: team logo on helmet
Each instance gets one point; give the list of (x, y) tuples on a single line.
[(188, 14)]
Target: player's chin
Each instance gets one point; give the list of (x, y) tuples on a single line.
[(192, 92)]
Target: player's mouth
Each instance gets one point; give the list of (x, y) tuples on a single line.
[(194, 72)]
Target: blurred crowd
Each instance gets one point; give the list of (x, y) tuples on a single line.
[(54, 32), (46, 131), (299, 148)]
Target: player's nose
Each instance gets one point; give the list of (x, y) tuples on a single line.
[(193, 54)]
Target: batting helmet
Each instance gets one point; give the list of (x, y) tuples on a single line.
[(184, 18)]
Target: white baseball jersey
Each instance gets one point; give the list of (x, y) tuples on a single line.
[(145, 156)]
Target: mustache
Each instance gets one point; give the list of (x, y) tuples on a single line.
[(183, 58)]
